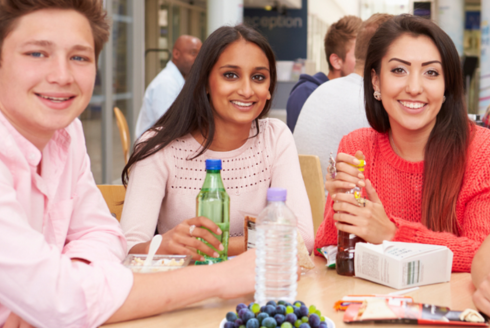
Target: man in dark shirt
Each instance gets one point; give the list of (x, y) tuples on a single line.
[(340, 42)]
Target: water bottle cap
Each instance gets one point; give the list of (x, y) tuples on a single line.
[(276, 194), (213, 164)]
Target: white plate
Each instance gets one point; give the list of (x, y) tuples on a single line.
[(330, 323)]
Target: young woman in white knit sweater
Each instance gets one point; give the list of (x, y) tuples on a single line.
[(219, 115)]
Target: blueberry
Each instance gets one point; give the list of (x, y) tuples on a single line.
[(323, 325), (296, 311), (304, 325), (253, 323), (269, 323), (238, 323), (242, 312), (272, 303), (270, 310), (249, 315), (314, 320), (291, 318), (261, 316), (280, 318), (229, 324), (303, 311), (281, 309), (231, 316), (240, 306)]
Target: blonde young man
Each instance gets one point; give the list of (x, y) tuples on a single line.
[(340, 42)]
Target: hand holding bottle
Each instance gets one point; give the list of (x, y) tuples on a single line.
[(346, 176), (182, 238), (369, 222)]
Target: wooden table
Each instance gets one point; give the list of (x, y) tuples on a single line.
[(321, 287)]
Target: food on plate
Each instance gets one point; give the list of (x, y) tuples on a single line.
[(280, 314)]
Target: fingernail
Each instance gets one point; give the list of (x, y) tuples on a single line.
[(334, 195), (352, 185), (201, 259), (219, 231), (215, 254), (221, 247), (356, 161)]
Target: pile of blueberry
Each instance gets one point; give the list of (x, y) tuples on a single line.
[(272, 315)]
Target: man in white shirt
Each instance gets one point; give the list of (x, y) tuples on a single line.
[(336, 108), (166, 86)]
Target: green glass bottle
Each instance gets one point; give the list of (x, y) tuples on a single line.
[(213, 203)]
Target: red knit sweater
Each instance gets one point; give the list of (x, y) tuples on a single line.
[(399, 187)]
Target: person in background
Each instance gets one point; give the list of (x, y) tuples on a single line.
[(480, 274), (426, 178), (61, 250), (336, 108), (340, 42), (221, 113), (166, 86)]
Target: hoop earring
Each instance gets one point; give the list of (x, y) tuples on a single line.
[(377, 95)]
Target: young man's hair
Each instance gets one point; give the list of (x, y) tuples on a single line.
[(12, 10), (366, 32), (340, 35)]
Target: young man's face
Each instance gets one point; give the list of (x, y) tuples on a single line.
[(47, 72)]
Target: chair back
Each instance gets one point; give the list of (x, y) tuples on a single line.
[(312, 176), (122, 125), (114, 197)]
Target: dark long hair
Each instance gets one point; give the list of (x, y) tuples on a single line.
[(445, 151), (192, 110)]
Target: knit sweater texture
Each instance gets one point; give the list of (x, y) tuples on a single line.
[(399, 186), (163, 187)]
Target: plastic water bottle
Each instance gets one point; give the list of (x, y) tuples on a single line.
[(214, 203), (276, 262)]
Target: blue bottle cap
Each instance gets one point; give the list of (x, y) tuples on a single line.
[(213, 164), (276, 194)]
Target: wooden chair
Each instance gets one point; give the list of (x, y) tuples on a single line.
[(312, 176), (114, 196), (122, 125)]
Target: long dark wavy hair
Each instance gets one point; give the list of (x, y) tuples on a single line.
[(446, 148), (192, 111)]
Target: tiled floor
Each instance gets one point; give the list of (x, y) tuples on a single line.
[(93, 132)]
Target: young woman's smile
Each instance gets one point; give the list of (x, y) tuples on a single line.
[(239, 84), (411, 82)]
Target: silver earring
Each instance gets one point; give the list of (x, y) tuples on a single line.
[(443, 99), (377, 95)]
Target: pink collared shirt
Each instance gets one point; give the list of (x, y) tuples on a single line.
[(48, 219)]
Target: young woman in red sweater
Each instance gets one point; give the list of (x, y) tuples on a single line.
[(427, 174)]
